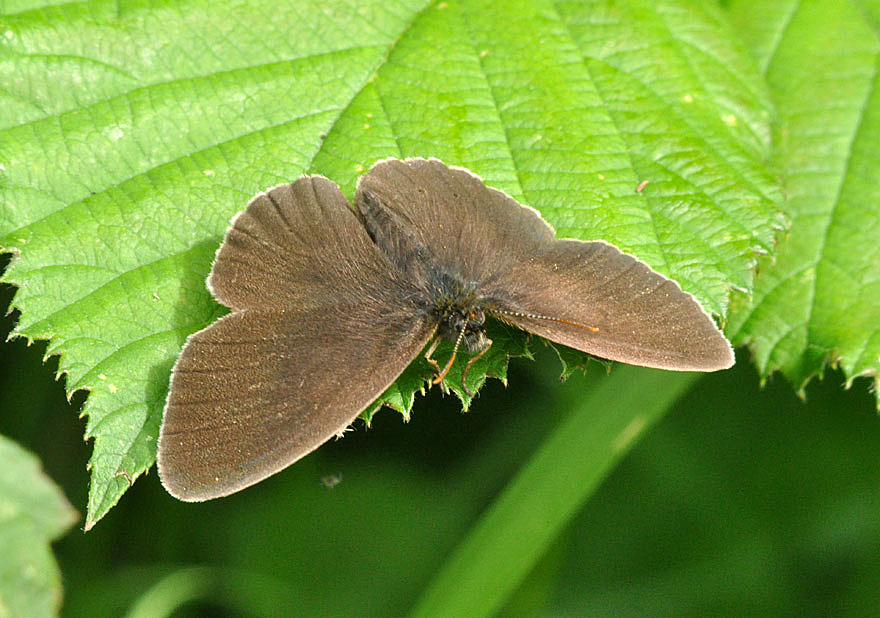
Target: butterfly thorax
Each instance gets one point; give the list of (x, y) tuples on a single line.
[(453, 302)]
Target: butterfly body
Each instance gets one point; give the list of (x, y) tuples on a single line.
[(330, 303)]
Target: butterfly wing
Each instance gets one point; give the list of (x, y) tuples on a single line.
[(324, 326), (464, 226), (287, 244), (609, 304)]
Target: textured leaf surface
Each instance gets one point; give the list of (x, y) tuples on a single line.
[(33, 512), (818, 301), (132, 133)]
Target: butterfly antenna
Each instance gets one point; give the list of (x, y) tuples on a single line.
[(448, 366), (535, 316)]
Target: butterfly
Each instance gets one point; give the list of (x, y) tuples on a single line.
[(329, 304)]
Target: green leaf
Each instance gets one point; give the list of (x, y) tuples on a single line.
[(574, 361), (33, 512), (816, 302), (133, 134), (507, 342), (235, 590)]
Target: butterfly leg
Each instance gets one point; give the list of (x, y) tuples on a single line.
[(430, 351), (468, 367), (448, 366)]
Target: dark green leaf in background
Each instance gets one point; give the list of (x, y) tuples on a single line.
[(138, 129), (33, 512)]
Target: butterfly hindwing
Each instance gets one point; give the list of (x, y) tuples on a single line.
[(464, 226), (592, 297)]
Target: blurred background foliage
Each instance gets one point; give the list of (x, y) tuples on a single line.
[(741, 501)]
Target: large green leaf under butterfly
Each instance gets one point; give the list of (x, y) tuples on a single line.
[(131, 134)]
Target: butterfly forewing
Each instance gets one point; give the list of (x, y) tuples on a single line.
[(288, 245)]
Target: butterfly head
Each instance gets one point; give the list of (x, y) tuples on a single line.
[(462, 319), (468, 319)]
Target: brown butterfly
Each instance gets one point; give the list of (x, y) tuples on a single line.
[(330, 304)]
